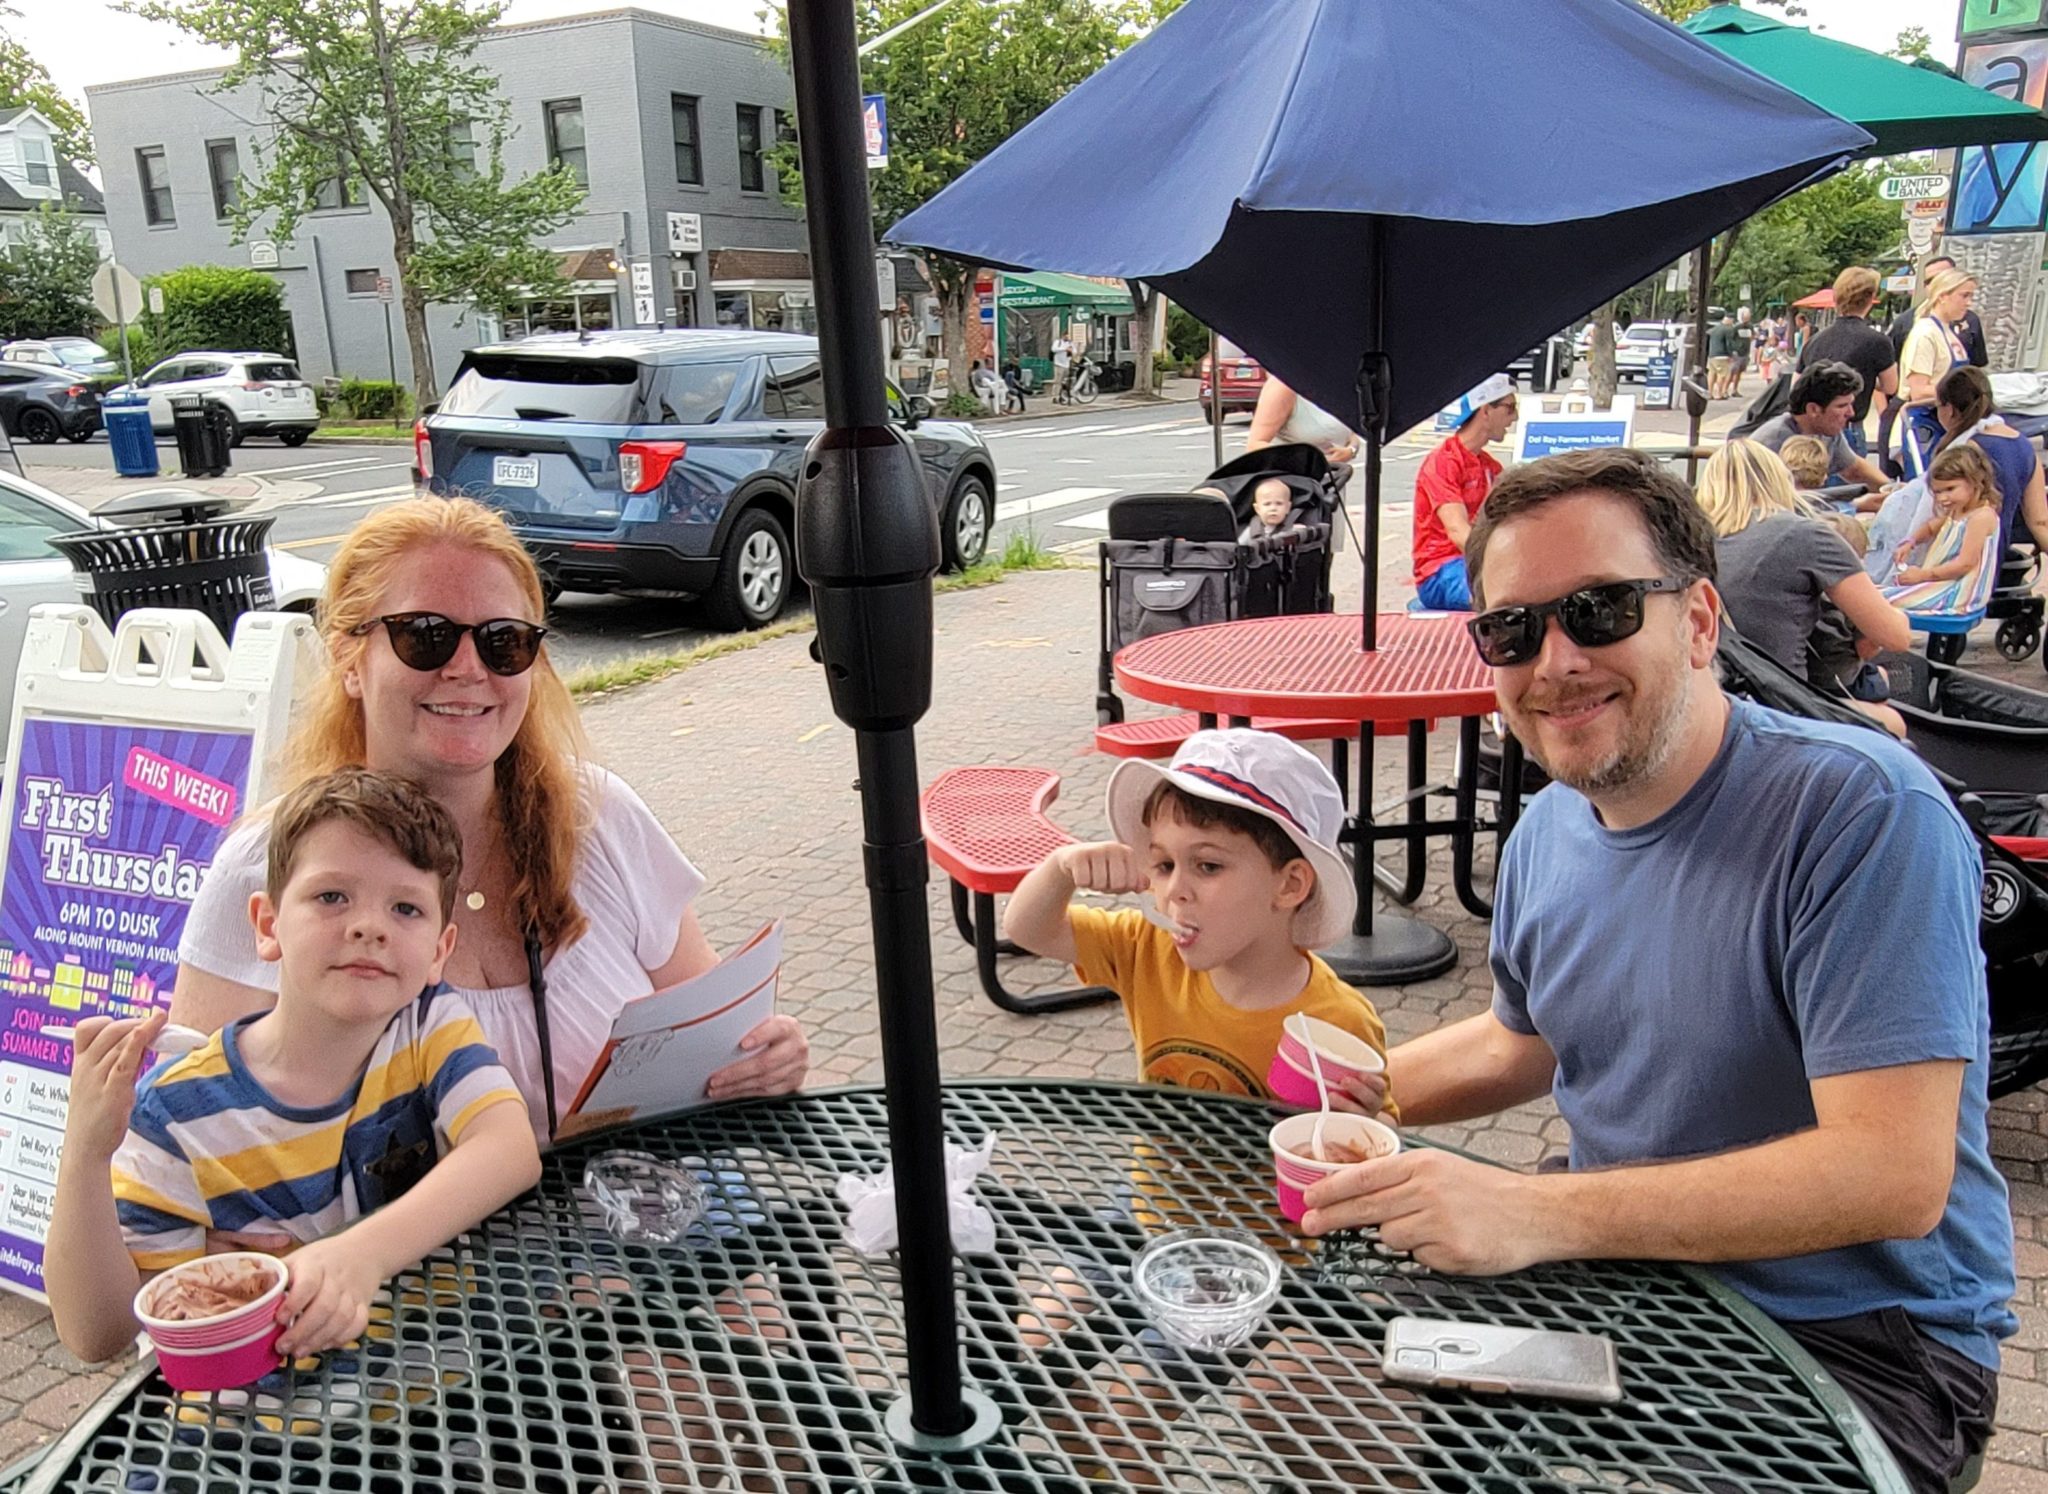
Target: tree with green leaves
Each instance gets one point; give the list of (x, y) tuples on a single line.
[(960, 85), (1913, 44), (25, 81), (46, 278), (387, 97), (1800, 243)]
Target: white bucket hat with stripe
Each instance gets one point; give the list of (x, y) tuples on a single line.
[(1271, 777)]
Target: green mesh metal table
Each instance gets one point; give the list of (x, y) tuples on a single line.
[(759, 1354)]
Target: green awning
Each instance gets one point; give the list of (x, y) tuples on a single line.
[(1907, 108), (1029, 291)]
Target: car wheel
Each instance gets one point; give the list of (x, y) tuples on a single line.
[(753, 575), (293, 438), (230, 427), (966, 524), (80, 436), (39, 427)]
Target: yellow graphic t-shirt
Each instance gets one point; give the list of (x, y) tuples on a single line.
[(1186, 1033)]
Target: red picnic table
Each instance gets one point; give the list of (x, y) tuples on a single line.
[(1424, 669)]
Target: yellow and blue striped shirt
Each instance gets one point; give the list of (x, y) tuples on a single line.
[(209, 1148)]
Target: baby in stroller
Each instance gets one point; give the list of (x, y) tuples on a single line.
[(1272, 511)]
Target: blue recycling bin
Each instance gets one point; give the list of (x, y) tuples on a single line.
[(127, 421)]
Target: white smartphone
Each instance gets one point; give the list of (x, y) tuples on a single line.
[(1502, 1361)]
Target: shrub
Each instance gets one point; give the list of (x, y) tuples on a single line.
[(140, 354), (373, 399), (220, 308), (962, 407)]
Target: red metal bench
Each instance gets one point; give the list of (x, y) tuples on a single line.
[(986, 828)]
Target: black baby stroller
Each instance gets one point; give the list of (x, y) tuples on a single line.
[(1995, 801), (1175, 560), (1290, 574)]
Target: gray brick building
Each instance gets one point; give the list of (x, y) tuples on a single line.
[(662, 117)]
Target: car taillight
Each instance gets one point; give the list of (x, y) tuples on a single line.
[(422, 450), (643, 465), (76, 390)]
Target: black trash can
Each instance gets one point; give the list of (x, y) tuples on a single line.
[(202, 436), (172, 550)]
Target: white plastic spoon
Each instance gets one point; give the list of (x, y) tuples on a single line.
[(173, 1040), (1315, 1068)]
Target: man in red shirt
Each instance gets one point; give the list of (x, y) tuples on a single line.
[(1452, 484)]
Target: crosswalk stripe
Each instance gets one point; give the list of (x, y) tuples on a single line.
[(1097, 520), (339, 466), (1038, 503), (1064, 430), (1158, 425), (352, 500)]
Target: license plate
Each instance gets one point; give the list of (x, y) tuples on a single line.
[(1246, 371), (515, 472)]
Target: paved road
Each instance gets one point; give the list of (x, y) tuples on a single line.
[(1056, 477)]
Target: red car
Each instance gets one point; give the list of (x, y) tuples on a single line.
[(1243, 378)]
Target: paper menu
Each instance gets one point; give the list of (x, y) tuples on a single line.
[(665, 1047)]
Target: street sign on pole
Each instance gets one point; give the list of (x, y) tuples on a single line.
[(1906, 188), (384, 289), (115, 293), (156, 300), (885, 284), (874, 117)]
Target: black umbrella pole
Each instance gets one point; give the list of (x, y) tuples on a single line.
[(1369, 543), (868, 544)]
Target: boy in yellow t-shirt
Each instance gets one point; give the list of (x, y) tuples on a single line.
[(1236, 841)]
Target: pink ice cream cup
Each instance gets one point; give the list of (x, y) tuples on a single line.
[(1295, 1171), (225, 1351), (1343, 1056)]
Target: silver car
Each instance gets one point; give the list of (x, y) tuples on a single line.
[(32, 572)]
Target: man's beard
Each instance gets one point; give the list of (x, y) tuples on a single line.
[(1654, 733)]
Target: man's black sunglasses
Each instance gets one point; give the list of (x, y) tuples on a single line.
[(1592, 617), (427, 640)]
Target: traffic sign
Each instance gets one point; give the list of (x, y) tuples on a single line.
[(384, 289), (116, 294), (1906, 188)]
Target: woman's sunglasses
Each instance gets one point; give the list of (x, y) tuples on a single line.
[(1592, 617), (427, 640)]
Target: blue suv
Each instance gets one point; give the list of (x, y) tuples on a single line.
[(665, 463)]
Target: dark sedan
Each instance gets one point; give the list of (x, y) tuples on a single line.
[(40, 404)]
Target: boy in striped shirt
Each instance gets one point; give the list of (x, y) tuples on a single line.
[(364, 1115)]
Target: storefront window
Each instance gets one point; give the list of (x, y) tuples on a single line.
[(766, 310), (583, 313)]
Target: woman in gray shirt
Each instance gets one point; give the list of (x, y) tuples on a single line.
[(1779, 564)]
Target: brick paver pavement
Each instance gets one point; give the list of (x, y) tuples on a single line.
[(743, 761)]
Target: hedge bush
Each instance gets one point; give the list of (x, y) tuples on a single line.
[(373, 399), (218, 308)]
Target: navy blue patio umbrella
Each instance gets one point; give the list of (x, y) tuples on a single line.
[(1385, 201)]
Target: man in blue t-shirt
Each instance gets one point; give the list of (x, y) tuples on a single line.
[(1740, 949)]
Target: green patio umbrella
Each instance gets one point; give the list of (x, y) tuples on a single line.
[(1904, 107)]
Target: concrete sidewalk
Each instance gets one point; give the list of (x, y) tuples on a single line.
[(743, 761)]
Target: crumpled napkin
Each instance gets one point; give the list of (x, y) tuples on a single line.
[(871, 1204)]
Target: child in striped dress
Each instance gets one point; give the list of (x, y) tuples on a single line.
[(1965, 520), (364, 1115)]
